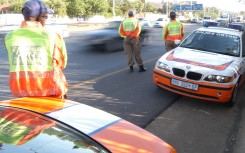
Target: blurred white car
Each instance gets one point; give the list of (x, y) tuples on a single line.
[(207, 19), (145, 22), (161, 22)]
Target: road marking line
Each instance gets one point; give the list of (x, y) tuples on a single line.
[(88, 82)]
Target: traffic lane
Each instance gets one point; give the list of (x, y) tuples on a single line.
[(133, 96), (85, 62), (91, 69), (193, 125), (238, 143), (5, 93)]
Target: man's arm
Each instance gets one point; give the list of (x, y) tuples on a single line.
[(182, 30), (60, 53), (138, 29), (121, 31), (164, 32)]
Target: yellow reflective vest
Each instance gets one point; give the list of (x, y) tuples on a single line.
[(130, 27), (173, 31), (36, 59)]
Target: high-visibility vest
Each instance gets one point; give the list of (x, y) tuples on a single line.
[(130, 27), (173, 31), (33, 68)]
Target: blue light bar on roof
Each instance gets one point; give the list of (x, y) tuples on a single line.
[(235, 26), (211, 24)]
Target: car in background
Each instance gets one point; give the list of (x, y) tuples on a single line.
[(48, 125), (197, 21), (209, 64), (108, 39), (222, 23), (207, 19), (161, 22), (145, 23), (182, 18)]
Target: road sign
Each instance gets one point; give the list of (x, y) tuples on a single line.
[(197, 7), (187, 7), (176, 7)]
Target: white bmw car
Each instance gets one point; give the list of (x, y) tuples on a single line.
[(209, 64)]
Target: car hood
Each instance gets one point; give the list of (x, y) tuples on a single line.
[(199, 58), (116, 134)]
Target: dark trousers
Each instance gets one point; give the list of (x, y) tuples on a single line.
[(132, 50), (170, 45)]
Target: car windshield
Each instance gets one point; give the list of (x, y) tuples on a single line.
[(213, 42), (160, 19), (206, 18), (24, 131)]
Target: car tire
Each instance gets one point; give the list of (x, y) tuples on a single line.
[(234, 95)]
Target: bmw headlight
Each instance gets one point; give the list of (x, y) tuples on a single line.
[(162, 66), (218, 78)]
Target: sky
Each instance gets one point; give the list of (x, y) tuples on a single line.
[(228, 5)]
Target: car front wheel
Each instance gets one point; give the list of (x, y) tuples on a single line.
[(234, 95)]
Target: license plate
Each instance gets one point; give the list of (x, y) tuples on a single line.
[(183, 84)]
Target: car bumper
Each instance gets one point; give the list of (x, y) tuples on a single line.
[(206, 91), (158, 26)]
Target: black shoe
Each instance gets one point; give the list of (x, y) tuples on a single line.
[(141, 68), (131, 69)]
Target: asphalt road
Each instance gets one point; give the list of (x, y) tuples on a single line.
[(102, 80)]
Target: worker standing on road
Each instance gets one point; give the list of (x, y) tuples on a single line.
[(130, 29), (173, 32), (36, 55)]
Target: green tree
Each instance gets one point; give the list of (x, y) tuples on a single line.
[(58, 6), (150, 7), (94, 7), (75, 8), (125, 6), (138, 5), (4, 2), (16, 7)]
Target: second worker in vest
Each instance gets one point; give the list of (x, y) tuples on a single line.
[(36, 55), (130, 29), (173, 33)]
